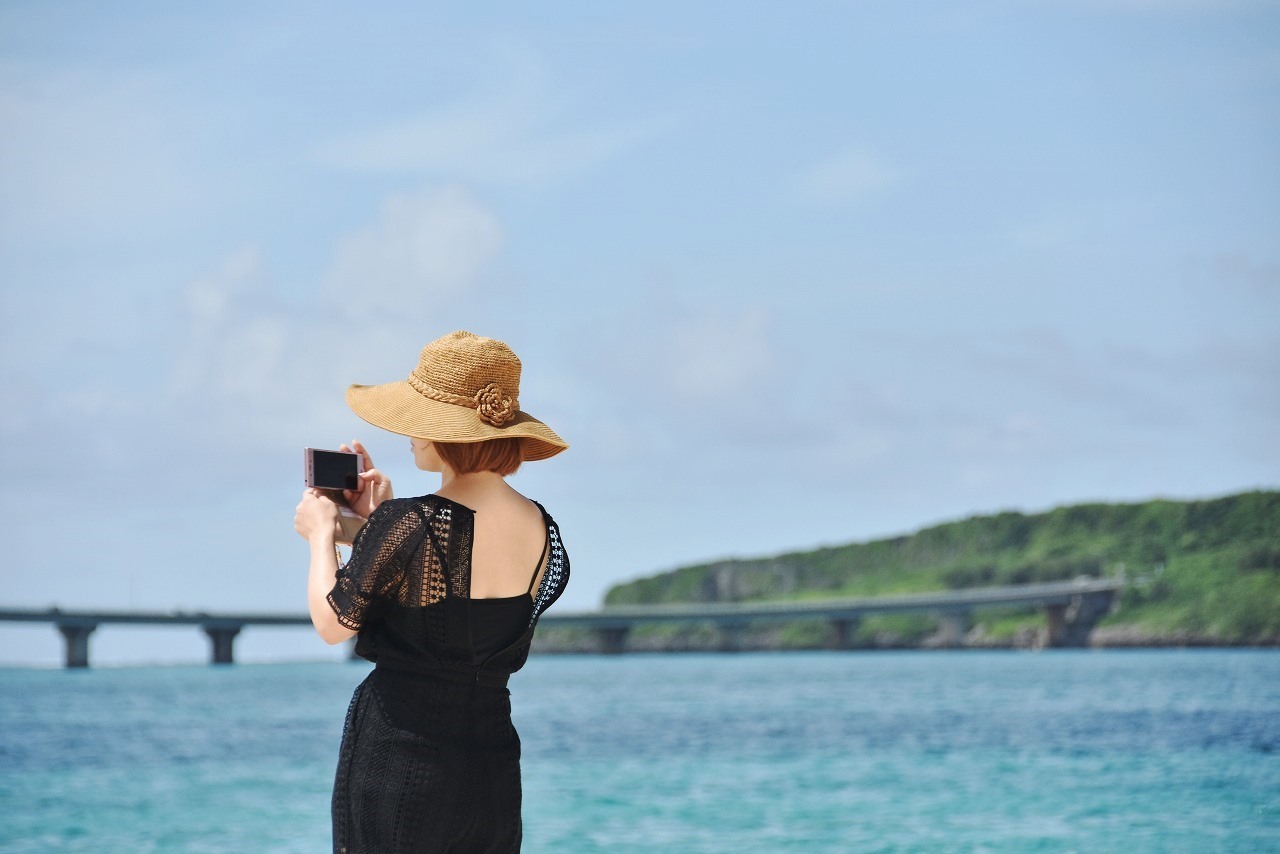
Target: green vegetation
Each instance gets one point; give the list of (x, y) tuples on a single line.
[(1205, 571)]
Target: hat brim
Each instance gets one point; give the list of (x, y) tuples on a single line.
[(398, 407)]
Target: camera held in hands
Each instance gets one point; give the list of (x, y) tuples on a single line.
[(331, 472)]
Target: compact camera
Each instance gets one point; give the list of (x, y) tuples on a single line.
[(333, 469), (332, 472)]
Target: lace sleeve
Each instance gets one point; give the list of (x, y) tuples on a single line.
[(377, 565), (556, 576)]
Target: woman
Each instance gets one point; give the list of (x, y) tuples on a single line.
[(443, 592)]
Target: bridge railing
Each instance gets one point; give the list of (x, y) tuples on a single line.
[(1071, 609)]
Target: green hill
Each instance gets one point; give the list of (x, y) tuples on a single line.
[(1209, 571)]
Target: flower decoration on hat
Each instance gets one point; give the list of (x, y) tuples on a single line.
[(495, 406)]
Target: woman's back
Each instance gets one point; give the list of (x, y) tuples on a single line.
[(509, 542)]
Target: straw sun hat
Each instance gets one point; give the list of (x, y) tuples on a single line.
[(465, 389)]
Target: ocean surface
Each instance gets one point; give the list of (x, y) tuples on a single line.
[(1089, 751)]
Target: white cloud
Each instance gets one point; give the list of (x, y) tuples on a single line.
[(274, 371), (252, 364), (423, 246), (247, 368), (210, 302), (507, 144), (1019, 434), (518, 134), (1050, 231), (848, 176), (1255, 278), (718, 357)]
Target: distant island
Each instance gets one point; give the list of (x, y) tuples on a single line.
[(1205, 573)]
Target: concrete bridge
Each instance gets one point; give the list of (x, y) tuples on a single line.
[(1071, 609), (77, 626)]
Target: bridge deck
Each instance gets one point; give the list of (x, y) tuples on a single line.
[(177, 618), (952, 601), (1053, 593), (1063, 602)]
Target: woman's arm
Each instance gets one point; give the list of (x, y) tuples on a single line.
[(315, 519)]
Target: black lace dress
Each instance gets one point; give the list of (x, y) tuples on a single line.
[(430, 760)]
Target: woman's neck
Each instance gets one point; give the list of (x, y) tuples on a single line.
[(452, 483)]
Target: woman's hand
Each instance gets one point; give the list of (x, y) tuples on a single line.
[(316, 515), (375, 487)]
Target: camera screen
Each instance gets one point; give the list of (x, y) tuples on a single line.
[(335, 470)]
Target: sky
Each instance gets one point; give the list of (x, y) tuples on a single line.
[(783, 275)]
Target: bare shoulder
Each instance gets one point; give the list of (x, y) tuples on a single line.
[(514, 509), (508, 543), (500, 507)]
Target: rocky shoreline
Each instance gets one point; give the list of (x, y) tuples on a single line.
[(560, 642)]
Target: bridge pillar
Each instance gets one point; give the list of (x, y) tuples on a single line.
[(1070, 625), (952, 627), (843, 632), (221, 638), (732, 636), (613, 639), (76, 636)]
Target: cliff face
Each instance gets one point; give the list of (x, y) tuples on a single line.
[(1213, 568)]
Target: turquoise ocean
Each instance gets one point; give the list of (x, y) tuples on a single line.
[(1089, 751)]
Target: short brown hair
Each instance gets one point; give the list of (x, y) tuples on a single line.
[(498, 455)]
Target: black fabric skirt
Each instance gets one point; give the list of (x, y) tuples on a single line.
[(427, 765)]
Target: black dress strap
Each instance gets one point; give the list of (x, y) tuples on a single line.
[(546, 548)]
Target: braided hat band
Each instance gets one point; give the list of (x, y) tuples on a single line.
[(465, 388), (467, 370)]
